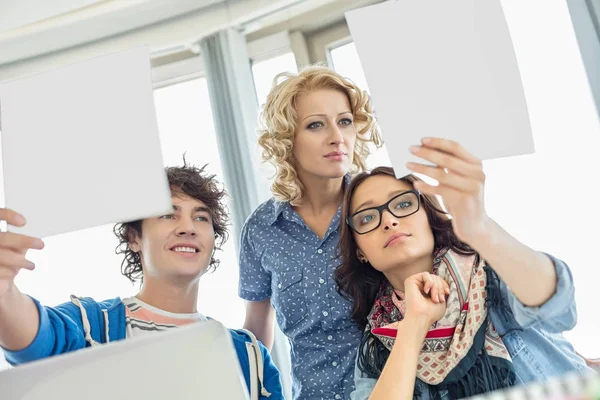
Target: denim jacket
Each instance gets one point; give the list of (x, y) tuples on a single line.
[(532, 335)]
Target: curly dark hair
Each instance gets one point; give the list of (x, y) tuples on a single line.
[(188, 180), (360, 282)]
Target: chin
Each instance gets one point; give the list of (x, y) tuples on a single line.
[(337, 172), (190, 273)]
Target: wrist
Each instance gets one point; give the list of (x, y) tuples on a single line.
[(418, 324), (10, 292), (484, 237)]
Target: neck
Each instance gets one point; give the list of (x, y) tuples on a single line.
[(397, 275), (170, 296), (321, 194)]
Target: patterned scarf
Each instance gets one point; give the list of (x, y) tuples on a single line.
[(463, 348)]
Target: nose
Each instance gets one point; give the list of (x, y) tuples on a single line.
[(186, 227), (388, 220), (337, 137)]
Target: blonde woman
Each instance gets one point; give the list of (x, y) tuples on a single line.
[(316, 126)]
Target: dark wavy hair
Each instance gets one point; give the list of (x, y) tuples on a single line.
[(188, 180), (360, 282)]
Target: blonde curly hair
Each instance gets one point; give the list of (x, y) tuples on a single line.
[(278, 123)]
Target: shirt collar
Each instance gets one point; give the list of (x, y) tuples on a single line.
[(280, 206)]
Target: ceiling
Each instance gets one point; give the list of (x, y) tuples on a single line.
[(31, 27)]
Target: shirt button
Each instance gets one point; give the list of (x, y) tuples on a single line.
[(337, 396), (321, 280), (279, 286), (329, 337), (334, 363), (325, 313), (320, 251)]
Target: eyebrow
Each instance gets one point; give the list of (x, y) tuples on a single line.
[(197, 209), (324, 115), (370, 202)]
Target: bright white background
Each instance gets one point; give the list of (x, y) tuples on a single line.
[(547, 200)]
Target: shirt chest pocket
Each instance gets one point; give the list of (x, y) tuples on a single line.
[(289, 298), (527, 367)]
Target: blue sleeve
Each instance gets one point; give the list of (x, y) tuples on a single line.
[(271, 378), (364, 385), (556, 315), (60, 331), (255, 281)]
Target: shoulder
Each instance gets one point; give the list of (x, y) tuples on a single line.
[(240, 336), (90, 303), (264, 214), (93, 308)]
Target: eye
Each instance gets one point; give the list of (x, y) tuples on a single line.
[(167, 216), (366, 219), (404, 204), (201, 218), (315, 125), (346, 121)]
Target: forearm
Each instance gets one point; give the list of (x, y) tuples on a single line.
[(397, 380), (19, 320), (529, 274), (260, 320)]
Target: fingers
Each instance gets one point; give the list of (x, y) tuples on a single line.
[(428, 282), (445, 161), (451, 180), (439, 190), (11, 217), (11, 260), (451, 147), (437, 292), (436, 287), (19, 243)]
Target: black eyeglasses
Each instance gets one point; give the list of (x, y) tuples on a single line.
[(400, 206)]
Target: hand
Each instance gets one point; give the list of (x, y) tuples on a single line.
[(591, 362), (461, 184), (425, 297), (13, 248)]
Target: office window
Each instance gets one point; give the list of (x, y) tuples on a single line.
[(345, 61), (186, 126), (264, 71), (84, 263)]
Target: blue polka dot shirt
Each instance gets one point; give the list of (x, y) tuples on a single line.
[(281, 258)]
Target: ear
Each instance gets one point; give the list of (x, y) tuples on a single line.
[(134, 240), (361, 256)]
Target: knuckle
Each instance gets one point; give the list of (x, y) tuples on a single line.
[(482, 176)]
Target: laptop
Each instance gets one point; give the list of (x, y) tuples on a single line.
[(192, 362)]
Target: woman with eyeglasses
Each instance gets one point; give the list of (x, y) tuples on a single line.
[(449, 307)]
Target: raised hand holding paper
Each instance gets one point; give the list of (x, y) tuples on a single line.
[(81, 147), (443, 69)]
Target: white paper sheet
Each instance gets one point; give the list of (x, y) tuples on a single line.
[(192, 362), (80, 145), (443, 69)]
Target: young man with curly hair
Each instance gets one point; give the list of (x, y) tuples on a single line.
[(169, 254)]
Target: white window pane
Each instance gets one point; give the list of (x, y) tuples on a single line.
[(185, 124), (264, 72), (346, 63), (84, 263)]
